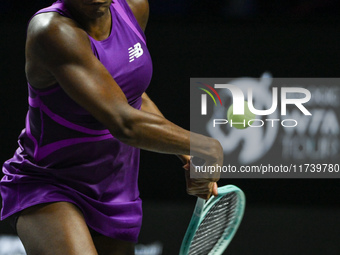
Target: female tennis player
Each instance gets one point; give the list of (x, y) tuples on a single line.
[(71, 186)]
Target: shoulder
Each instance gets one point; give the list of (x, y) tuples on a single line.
[(140, 9), (51, 31), (53, 24), (44, 22)]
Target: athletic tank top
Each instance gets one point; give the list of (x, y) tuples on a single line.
[(65, 154)]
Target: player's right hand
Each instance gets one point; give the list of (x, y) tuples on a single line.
[(201, 185)]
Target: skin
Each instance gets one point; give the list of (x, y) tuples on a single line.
[(58, 51)]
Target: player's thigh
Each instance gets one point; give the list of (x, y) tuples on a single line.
[(54, 228), (108, 246)]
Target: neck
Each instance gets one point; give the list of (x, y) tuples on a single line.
[(99, 28), (97, 24)]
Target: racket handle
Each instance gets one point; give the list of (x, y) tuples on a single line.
[(199, 206)]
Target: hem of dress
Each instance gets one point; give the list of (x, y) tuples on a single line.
[(7, 215)]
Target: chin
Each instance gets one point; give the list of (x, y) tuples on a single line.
[(94, 13)]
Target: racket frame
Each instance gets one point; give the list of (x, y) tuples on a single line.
[(202, 207)]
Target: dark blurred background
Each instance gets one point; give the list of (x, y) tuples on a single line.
[(212, 38)]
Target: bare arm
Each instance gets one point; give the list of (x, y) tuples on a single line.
[(65, 52), (140, 9), (149, 106), (194, 186)]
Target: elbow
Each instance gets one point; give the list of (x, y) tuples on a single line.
[(124, 128), (125, 135)]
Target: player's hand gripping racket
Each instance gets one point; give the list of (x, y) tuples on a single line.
[(214, 222)]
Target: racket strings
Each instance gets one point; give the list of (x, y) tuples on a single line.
[(218, 221)]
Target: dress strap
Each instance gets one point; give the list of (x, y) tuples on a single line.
[(124, 16)]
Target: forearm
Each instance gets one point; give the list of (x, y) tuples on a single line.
[(149, 106), (152, 132)]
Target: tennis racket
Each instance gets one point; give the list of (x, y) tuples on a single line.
[(214, 222)]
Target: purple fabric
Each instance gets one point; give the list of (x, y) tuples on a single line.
[(65, 154), (36, 103)]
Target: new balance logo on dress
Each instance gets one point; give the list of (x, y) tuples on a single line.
[(135, 52)]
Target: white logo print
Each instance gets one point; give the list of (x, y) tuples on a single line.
[(135, 52), (261, 139)]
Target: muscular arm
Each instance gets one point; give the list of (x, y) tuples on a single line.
[(140, 9), (149, 106), (65, 51)]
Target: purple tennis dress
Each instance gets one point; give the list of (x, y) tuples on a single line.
[(65, 154)]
